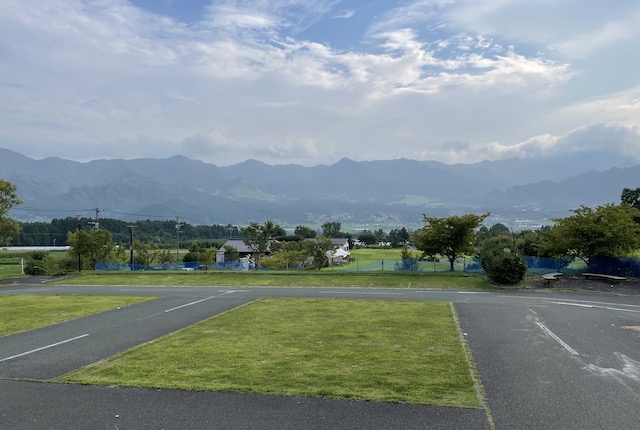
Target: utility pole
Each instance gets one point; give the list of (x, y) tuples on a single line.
[(96, 223), (78, 218), (131, 227)]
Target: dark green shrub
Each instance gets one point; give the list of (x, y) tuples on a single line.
[(502, 260)]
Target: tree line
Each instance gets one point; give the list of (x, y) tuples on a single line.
[(605, 231), (610, 230)]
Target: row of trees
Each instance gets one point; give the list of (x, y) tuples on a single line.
[(610, 230), (605, 231), (165, 234)]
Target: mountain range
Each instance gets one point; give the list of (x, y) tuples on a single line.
[(521, 193)]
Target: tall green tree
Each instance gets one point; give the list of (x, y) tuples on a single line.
[(451, 237), (231, 253), (332, 229), (145, 253), (367, 237), (631, 197), (8, 199), (258, 237), (398, 237), (304, 232), (606, 231), (318, 250), (93, 246)]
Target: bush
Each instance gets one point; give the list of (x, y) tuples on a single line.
[(48, 266), (408, 262), (502, 261)]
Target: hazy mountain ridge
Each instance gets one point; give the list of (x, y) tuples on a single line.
[(385, 193)]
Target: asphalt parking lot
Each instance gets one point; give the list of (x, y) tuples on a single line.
[(547, 359)]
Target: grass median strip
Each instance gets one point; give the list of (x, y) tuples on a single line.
[(391, 279), (396, 351), (25, 312)]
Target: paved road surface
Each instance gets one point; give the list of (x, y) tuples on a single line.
[(547, 360)]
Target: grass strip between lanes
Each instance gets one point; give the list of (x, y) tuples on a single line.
[(25, 312), (395, 351), (441, 280)]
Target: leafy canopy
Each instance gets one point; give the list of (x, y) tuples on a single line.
[(8, 199), (452, 236), (95, 245), (606, 231)]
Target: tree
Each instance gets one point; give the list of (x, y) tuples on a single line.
[(452, 236), (8, 199), (380, 236), (94, 245), (606, 231), (231, 253), (304, 232), (258, 238), (145, 253), (332, 229), (284, 260), (208, 257), (367, 237), (165, 256), (398, 237), (408, 262), (318, 251), (498, 229), (631, 197), (502, 260)]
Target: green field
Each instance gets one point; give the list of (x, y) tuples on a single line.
[(26, 312), (374, 259), (397, 351), (10, 263)]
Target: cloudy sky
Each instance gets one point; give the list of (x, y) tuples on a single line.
[(313, 81)]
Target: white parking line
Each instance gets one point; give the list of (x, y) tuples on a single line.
[(363, 293), (200, 301), (44, 347), (596, 307), (557, 339), (190, 304)]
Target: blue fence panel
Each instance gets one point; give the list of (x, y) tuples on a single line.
[(620, 266)]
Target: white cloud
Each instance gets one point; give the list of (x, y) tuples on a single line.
[(455, 80), (345, 14), (615, 138)]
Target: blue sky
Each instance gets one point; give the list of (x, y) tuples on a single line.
[(313, 81)]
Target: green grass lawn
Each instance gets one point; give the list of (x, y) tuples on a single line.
[(10, 270), (364, 259), (396, 351), (443, 280), (25, 312)]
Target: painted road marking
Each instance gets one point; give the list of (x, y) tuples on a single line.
[(557, 339), (44, 347), (580, 305), (569, 300), (198, 301), (368, 294), (596, 307)]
